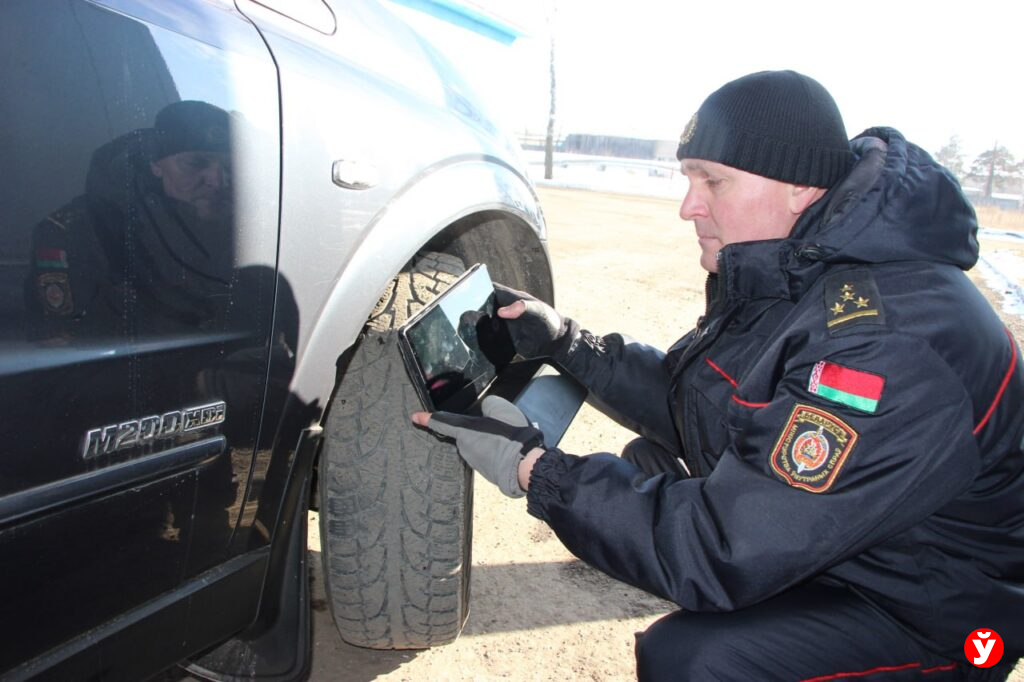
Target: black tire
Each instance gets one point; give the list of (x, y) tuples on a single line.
[(395, 502)]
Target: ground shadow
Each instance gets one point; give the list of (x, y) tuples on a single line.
[(505, 598), (528, 596)]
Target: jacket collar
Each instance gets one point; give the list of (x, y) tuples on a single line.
[(785, 268), (753, 270)]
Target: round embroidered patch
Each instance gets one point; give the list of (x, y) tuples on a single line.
[(810, 450)]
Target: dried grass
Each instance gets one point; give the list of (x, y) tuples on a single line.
[(1000, 218)]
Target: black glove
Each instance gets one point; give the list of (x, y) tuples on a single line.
[(540, 331), (493, 444)]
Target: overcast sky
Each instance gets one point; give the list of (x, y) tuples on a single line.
[(640, 69)]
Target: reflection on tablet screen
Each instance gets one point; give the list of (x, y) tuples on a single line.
[(460, 345)]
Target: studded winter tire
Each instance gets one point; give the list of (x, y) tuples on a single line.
[(395, 502)]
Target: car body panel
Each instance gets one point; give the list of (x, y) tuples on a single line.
[(162, 353), (112, 321), (434, 202)]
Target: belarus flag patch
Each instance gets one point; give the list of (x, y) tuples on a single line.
[(850, 387)]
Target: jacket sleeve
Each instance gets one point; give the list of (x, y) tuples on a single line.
[(746, 532), (627, 380)]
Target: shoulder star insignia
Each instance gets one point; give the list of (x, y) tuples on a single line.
[(851, 299)]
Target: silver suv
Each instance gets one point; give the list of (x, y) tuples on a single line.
[(215, 215)]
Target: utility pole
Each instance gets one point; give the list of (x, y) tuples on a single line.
[(549, 140)]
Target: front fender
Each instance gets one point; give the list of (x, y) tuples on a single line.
[(439, 197)]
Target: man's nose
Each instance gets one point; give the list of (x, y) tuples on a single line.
[(692, 206)]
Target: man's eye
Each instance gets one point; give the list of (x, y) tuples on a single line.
[(713, 182)]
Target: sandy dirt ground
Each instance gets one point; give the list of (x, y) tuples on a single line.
[(623, 264)]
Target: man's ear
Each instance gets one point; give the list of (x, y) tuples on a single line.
[(802, 196)]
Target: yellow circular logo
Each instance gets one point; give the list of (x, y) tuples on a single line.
[(689, 130)]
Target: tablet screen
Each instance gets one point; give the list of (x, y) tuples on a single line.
[(458, 344)]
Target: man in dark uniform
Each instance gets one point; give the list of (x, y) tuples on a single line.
[(150, 240), (830, 479)]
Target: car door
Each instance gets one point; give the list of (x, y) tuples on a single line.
[(139, 213)]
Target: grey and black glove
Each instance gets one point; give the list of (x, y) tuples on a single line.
[(493, 444), (540, 331)]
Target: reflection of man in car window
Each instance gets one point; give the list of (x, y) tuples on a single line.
[(150, 240), (197, 179)]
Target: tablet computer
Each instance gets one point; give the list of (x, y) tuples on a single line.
[(457, 350)]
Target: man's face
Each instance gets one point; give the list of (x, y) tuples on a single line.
[(728, 205), (199, 179)]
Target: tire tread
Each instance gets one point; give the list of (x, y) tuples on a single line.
[(395, 501)]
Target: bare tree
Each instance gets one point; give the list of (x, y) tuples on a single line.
[(996, 167), (952, 157), (549, 140)]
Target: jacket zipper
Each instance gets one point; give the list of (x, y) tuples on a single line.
[(688, 437)]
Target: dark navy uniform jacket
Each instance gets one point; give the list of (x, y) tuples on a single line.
[(850, 408)]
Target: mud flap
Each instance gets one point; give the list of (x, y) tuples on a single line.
[(278, 646)]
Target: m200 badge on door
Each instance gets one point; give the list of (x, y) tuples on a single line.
[(127, 434)]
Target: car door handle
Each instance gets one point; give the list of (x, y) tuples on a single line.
[(352, 174)]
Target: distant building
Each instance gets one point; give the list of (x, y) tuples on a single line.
[(606, 145), (535, 141), (623, 147), (1012, 202), (1004, 200)]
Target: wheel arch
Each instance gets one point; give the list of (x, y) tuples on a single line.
[(501, 225)]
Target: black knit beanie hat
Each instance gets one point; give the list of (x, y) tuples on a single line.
[(777, 124), (191, 126)]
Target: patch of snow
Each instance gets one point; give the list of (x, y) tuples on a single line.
[(1002, 270)]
